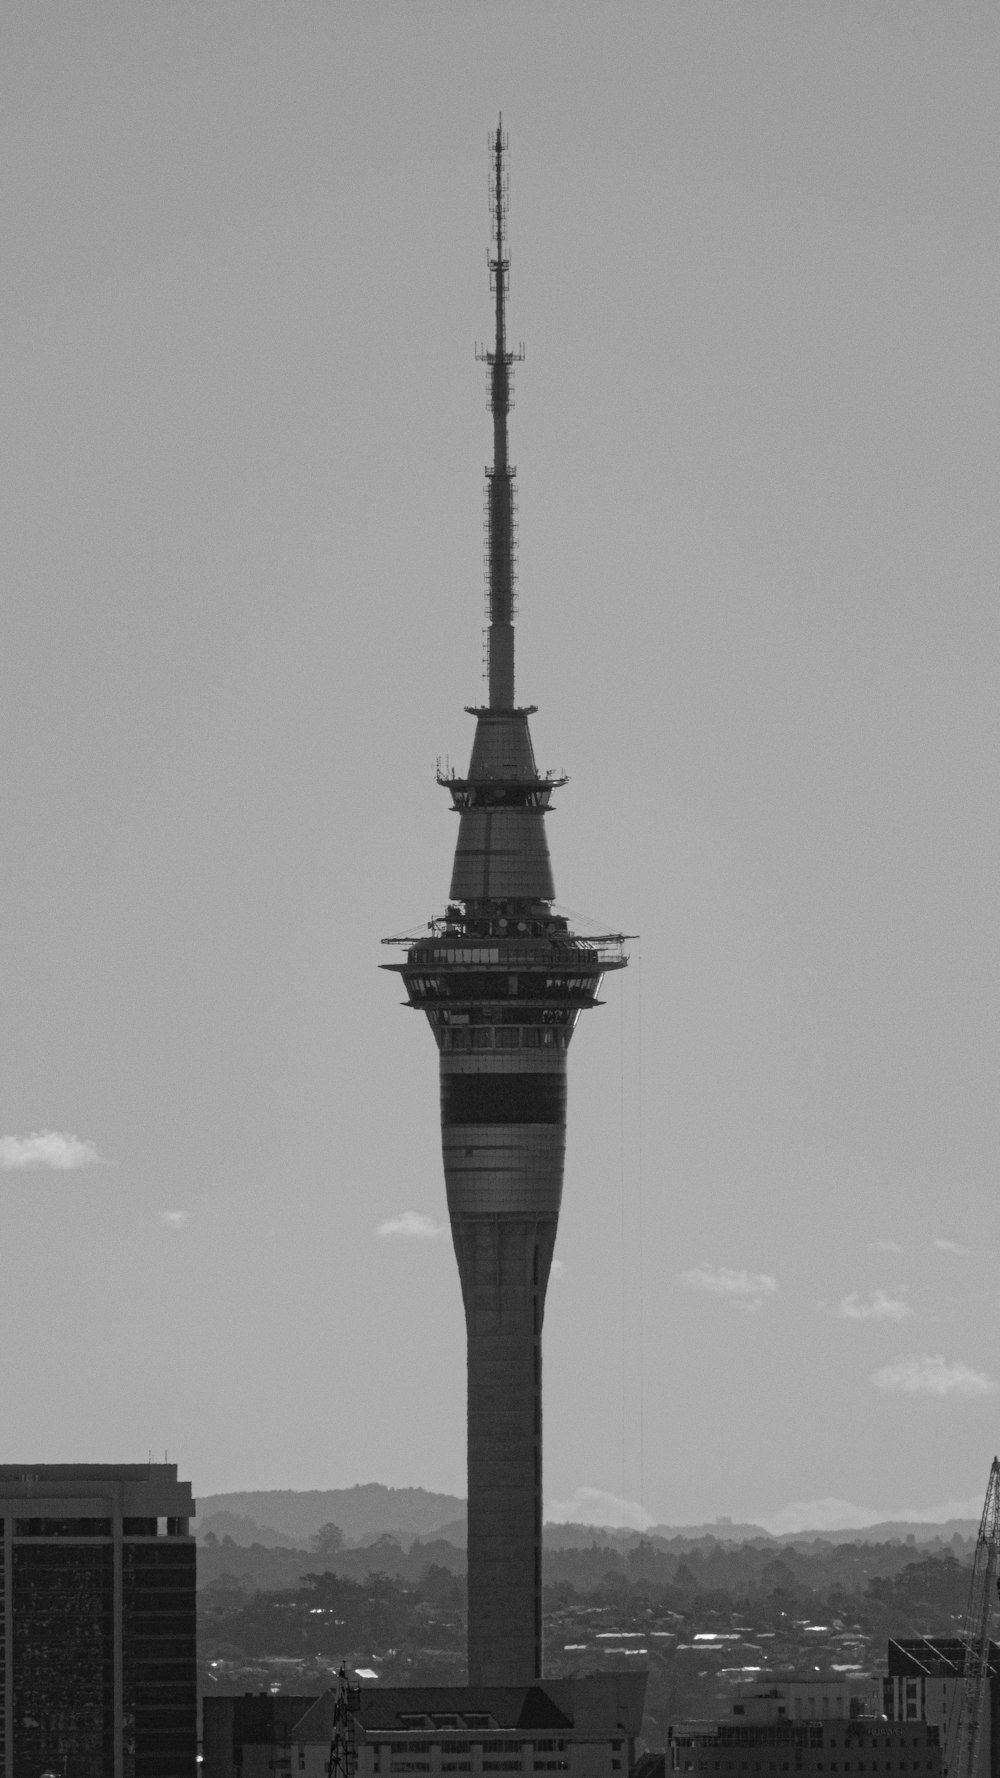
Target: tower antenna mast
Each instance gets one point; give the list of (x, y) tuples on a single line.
[(500, 490)]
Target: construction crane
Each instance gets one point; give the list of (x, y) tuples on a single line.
[(976, 1637)]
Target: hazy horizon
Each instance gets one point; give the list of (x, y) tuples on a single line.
[(589, 1508)]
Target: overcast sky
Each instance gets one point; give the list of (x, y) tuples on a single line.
[(755, 264)]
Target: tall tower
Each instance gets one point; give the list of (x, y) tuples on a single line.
[(502, 980)]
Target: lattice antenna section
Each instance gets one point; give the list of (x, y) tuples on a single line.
[(500, 502), (343, 1760)]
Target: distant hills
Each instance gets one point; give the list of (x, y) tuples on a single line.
[(285, 1518)]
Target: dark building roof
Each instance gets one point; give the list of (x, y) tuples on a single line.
[(507, 1706), (605, 1704)]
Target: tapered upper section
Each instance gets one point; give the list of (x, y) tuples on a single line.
[(502, 886), (502, 854), (500, 479)]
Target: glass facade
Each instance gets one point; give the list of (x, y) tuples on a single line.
[(97, 1647), (63, 1659)]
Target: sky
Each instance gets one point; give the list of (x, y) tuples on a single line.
[(754, 262)]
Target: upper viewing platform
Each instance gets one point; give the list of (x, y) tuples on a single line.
[(525, 938)]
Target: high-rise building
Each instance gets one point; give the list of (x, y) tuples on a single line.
[(97, 1648), (502, 979)]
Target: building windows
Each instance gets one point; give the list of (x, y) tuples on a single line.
[(502, 1037), (62, 1527)]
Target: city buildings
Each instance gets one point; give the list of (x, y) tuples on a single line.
[(822, 1695), (583, 1727), (823, 1723), (503, 980), (251, 1737), (866, 1745), (97, 1649)]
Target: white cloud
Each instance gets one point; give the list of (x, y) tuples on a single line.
[(748, 1289), (47, 1148), (924, 1375), (953, 1247), (557, 1268), (175, 1219), (880, 1306), (411, 1224), (592, 1506), (884, 1247)]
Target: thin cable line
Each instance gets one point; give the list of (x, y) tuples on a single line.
[(639, 1186), (621, 1193)]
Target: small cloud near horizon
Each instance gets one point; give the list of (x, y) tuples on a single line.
[(593, 1506), (884, 1247), (175, 1219), (880, 1306), (748, 1289), (411, 1225), (923, 1374), (55, 1149), (953, 1247)]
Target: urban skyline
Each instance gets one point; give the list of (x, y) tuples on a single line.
[(756, 272)]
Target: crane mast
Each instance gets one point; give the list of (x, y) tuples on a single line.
[(977, 1630)]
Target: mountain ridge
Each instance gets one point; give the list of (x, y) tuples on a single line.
[(290, 1517)]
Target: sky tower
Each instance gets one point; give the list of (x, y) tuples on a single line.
[(502, 980)]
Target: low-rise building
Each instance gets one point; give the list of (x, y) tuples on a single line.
[(818, 1697), (585, 1726), (828, 1724), (831, 1747), (250, 1736)]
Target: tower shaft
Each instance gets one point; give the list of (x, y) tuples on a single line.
[(502, 980)]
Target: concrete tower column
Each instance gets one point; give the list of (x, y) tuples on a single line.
[(502, 980)]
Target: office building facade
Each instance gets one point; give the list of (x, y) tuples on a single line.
[(97, 1639)]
